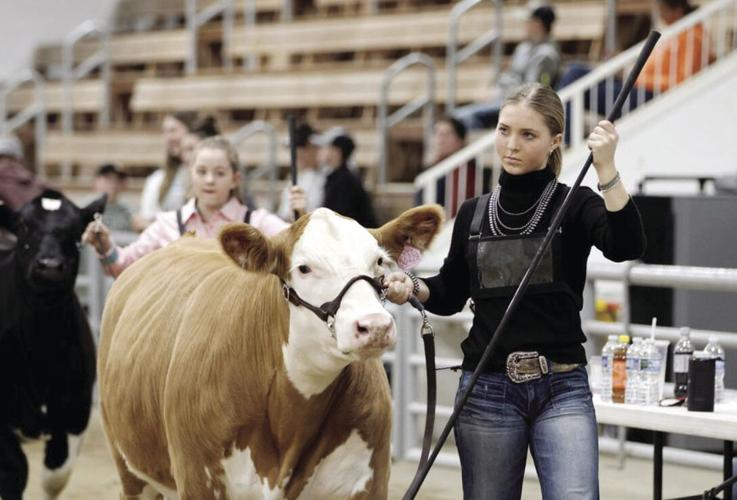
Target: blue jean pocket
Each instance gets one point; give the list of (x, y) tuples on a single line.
[(485, 405), (571, 391)]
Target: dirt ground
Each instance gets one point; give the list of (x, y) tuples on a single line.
[(94, 476)]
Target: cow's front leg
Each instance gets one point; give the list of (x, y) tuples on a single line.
[(13, 466), (59, 458)]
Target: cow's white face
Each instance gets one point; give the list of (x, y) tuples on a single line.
[(317, 256), (331, 251)]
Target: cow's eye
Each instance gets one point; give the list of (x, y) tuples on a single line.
[(380, 262), (304, 269)]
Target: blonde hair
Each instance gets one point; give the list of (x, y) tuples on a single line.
[(545, 101), (221, 143)]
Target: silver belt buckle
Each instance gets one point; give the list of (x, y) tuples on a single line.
[(513, 366)]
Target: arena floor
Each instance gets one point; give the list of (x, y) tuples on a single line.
[(94, 477)]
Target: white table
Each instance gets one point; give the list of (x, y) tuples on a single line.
[(721, 424)]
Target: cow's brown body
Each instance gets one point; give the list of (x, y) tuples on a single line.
[(204, 386)]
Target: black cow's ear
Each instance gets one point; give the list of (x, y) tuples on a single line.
[(96, 207), (8, 218)]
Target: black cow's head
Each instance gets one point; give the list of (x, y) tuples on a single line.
[(49, 229)]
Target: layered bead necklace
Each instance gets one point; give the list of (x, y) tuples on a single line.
[(498, 227)]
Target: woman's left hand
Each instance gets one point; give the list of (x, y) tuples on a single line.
[(603, 143)]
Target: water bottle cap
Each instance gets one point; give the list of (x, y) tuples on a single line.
[(712, 339), (625, 339), (685, 331)]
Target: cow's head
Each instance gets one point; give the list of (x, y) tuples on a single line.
[(316, 257), (49, 229)]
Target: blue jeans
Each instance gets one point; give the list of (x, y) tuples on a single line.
[(553, 415)]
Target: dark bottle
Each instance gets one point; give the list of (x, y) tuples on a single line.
[(682, 353)]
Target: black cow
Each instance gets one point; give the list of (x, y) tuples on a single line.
[(47, 353)]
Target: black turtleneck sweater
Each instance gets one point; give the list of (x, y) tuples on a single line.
[(546, 322)]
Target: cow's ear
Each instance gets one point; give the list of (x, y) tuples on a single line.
[(8, 218), (247, 246), (96, 207), (416, 227)]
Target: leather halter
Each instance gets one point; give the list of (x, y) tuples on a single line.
[(328, 310)]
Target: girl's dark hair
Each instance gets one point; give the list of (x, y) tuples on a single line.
[(545, 101), (458, 127)]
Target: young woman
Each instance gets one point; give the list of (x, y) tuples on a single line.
[(215, 179), (534, 392)]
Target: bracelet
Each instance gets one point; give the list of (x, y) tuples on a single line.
[(415, 283), (110, 258), (609, 185)]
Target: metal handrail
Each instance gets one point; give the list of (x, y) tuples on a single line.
[(268, 168), (408, 359), (72, 73), (573, 94), (196, 19), (36, 110), (426, 103), (454, 56)]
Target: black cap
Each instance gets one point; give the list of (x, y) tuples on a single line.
[(109, 168), (345, 144), (546, 15)]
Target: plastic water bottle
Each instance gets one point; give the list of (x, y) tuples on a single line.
[(682, 353), (619, 369), (607, 355), (633, 371), (714, 350), (650, 360)]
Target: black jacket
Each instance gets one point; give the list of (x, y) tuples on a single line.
[(345, 195)]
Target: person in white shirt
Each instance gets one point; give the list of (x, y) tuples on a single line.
[(166, 189), (309, 193)]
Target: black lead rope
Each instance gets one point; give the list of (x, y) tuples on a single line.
[(428, 341), (514, 303)]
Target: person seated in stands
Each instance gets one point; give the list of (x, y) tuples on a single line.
[(166, 189), (111, 180), (535, 60), (215, 179), (344, 192), (686, 50), (311, 176), (449, 137)]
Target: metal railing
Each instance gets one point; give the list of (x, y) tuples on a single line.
[(34, 111), (717, 14), (268, 168), (427, 103), (454, 56), (409, 362), (426, 182), (712, 17), (72, 73), (196, 19)]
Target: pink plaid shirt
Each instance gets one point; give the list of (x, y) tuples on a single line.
[(165, 229)]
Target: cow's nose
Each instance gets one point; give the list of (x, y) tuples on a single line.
[(375, 324), (51, 264)]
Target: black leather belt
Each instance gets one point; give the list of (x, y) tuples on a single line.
[(525, 366)]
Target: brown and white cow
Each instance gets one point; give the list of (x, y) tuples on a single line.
[(214, 386)]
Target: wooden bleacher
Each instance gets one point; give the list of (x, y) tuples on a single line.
[(326, 65), (278, 43), (145, 149), (87, 97)]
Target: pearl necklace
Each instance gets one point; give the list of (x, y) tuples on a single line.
[(498, 227)]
